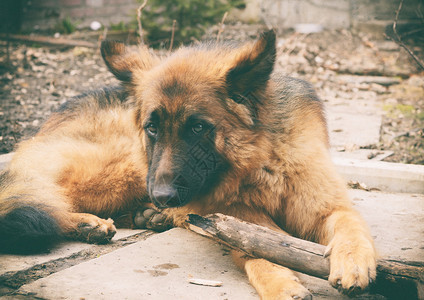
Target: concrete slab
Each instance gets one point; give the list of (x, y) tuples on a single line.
[(357, 79), (353, 130), (361, 154), (286, 14), (354, 120), (385, 176), (14, 263), (396, 222), (157, 268), (160, 266)]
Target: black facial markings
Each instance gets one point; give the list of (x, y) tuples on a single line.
[(195, 164), (151, 125), (196, 127)]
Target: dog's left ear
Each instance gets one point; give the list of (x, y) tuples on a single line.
[(122, 62), (252, 67)]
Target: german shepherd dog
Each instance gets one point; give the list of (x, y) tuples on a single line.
[(210, 128)]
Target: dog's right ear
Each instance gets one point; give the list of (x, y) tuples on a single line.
[(122, 62)]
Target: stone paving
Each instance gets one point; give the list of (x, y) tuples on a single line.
[(160, 266)]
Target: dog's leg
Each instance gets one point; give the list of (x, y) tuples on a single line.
[(150, 217), (320, 210), (351, 250), (349, 242), (271, 281), (87, 228)]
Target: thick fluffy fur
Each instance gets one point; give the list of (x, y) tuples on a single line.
[(263, 158)]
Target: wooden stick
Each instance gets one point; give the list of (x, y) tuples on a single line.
[(47, 40), (403, 278)]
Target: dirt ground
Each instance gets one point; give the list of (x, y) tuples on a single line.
[(37, 79)]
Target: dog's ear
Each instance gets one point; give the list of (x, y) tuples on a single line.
[(252, 67), (122, 62)]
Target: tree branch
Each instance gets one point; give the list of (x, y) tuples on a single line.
[(47, 40), (394, 277), (399, 41), (140, 29), (221, 26)]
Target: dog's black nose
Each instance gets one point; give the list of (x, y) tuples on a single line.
[(165, 196)]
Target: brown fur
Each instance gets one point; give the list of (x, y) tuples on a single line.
[(93, 157)]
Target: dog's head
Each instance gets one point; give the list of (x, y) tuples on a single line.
[(199, 112)]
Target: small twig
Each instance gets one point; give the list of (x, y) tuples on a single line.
[(205, 282), (140, 29), (419, 13), (397, 18), (398, 39), (102, 37), (406, 133), (221, 26), (171, 44), (400, 43)]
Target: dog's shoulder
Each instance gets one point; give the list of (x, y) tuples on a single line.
[(296, 110), (102, 98), (289, 90)]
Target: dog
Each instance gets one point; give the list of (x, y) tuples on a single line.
[(210, 128)]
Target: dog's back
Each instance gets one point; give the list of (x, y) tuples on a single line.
[(86, 148)]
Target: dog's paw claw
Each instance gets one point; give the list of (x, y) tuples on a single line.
[(353, 265), (152, 219), (97, 231)]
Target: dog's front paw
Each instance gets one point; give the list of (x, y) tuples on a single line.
[(292, 290), (92, 229), (152, 218), (352, 264)]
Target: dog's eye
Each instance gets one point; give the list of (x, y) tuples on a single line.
[(198, 128), (152, 129)]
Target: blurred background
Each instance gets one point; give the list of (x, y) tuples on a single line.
[(193, 17), (364, 57)]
